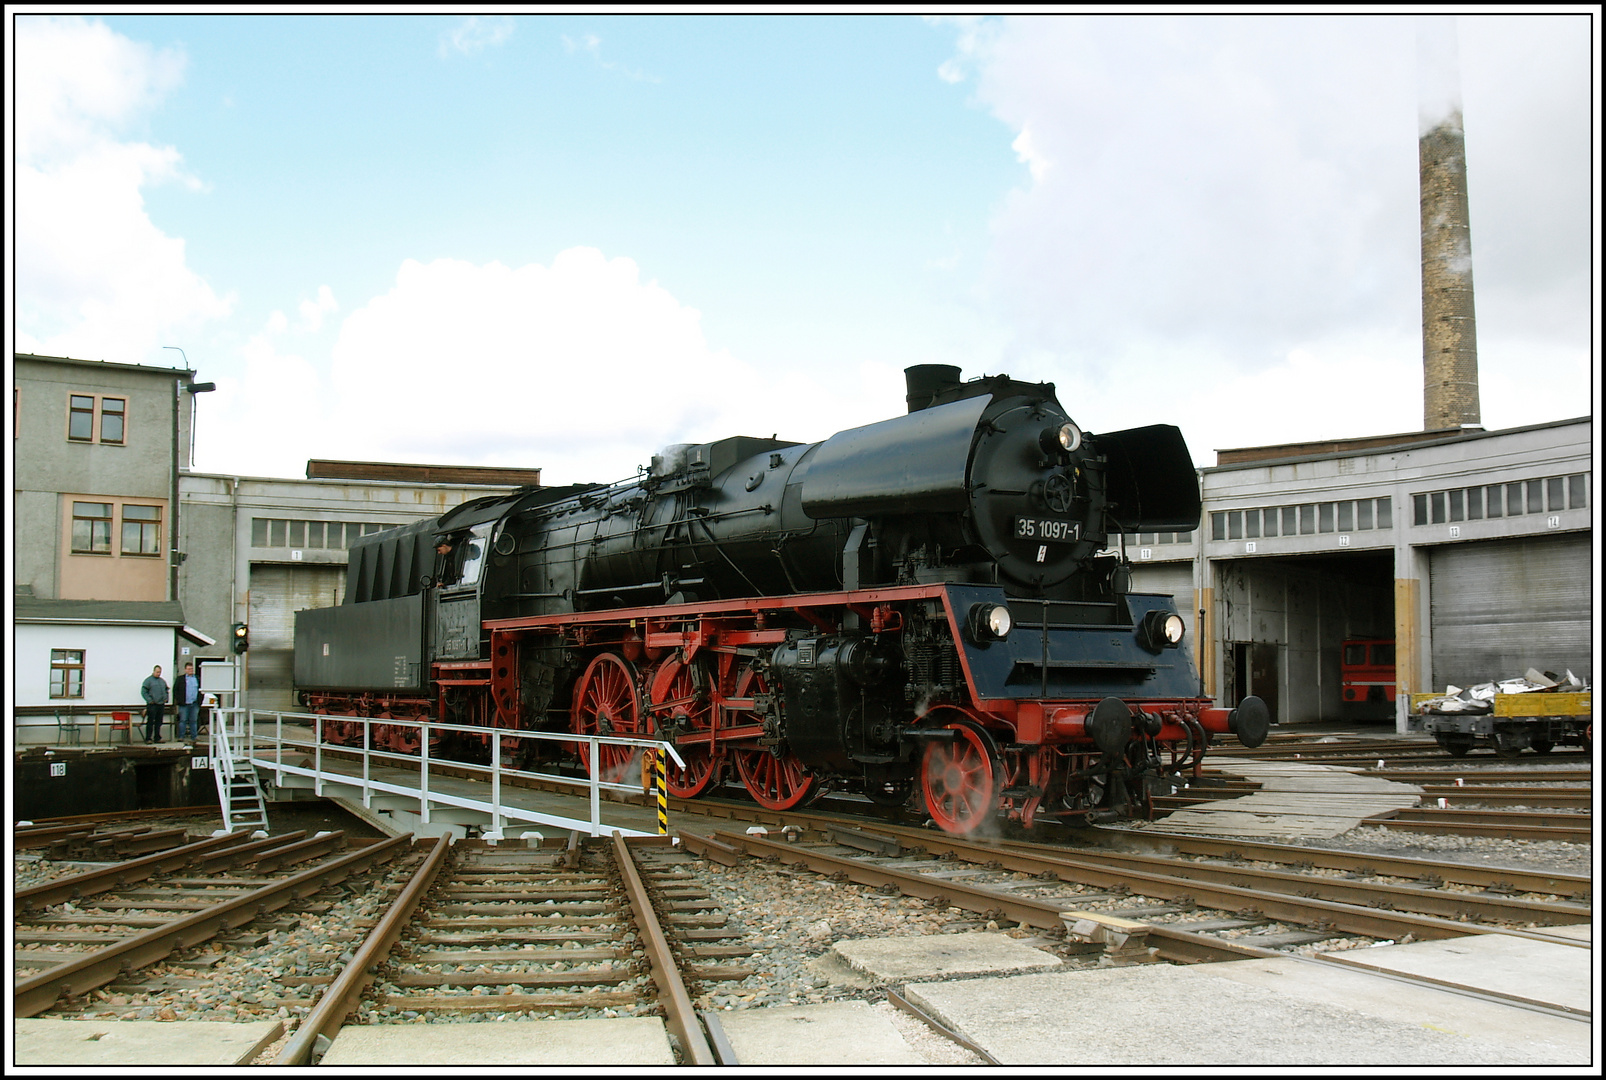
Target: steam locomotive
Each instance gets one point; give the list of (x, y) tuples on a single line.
[(924, 610)]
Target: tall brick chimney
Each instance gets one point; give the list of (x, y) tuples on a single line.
[(1449, 328)]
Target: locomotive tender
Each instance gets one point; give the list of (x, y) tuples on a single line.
[(923, 608)]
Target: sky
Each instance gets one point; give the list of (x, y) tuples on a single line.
[(567, 241)]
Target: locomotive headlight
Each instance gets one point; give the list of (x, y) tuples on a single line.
[(989, 622), (1160, 630), (1066, 438)]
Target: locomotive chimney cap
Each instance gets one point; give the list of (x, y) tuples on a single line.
[(924, 381)]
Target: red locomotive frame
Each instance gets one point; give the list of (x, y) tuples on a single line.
[(687, 670)]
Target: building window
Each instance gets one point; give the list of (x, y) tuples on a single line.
[(1497, 500), (112, 411), (82, 410), (91, 528), (300, 533), (142, 530), (80, 418), (66, 673)]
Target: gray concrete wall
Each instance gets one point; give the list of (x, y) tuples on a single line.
[(139, 467), (48, 464), (34, 522)]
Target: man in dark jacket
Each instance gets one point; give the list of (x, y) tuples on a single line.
[(187, 704), (154, 691)]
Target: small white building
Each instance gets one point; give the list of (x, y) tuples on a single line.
[(80, 658)]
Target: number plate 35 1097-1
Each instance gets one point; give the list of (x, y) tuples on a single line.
[(1051, 529)]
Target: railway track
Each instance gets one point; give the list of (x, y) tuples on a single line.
[(1192, 910), (469, 932), (619, 927), (108, 925), (1353, 751)]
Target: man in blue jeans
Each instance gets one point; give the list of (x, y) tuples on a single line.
[(187, 700), (154, 691)]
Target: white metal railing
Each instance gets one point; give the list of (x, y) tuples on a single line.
[(228, 738), (250, 738)]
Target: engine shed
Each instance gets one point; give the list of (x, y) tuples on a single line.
[(1473, 551)]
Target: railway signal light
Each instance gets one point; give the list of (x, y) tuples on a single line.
[(242, 637)]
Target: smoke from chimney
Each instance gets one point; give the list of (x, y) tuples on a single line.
[(1449, 328)]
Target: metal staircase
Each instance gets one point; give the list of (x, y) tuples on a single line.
[(238, 790)]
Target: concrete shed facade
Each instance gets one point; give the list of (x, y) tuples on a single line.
[(1473, 551)]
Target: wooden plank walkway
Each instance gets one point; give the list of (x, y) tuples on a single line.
[(1295, 800)]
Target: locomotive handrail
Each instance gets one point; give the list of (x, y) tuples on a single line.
[(500, 814)]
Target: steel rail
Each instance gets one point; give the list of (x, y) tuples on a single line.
[(1535, 818), (1560, 884), (1478, 774), (341, 997), (939, 1027), (1544, 798), (1402, 866), (679, 1014), (1575, 835), (46, 835), (311, 848), (719, 1040), (1365, 894), (142, 842), (120, 875), (248, 853), (1045, 913), (72, 978), (1348, 918), (131, 815)]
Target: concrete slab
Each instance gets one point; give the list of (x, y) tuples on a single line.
[(1296, 799), (115, 1043), (627, 1040), (1578, 932), (835, 1033), (937, 955), (1500, 1027), (1558, 975), (1088, 1017)]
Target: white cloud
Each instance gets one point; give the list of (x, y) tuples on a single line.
[(269, 420), (475, 34), (313, 311), (591, 45), (95, 277), (580, 368), (1210, 198)]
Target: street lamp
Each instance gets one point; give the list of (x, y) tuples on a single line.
[(179, 388)]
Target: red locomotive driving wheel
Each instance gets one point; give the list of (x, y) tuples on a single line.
[(677, 703), (606, 703), (960, 778), (778, 782)]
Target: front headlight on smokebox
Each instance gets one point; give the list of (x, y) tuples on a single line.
[(1066, 437), (1161, 630), (989, 622)]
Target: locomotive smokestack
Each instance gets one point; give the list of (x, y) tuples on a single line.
[(924, 381), (1449, 329)]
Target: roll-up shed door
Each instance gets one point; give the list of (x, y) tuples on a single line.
[(1173, 579), (1500, 607), (277, 593)]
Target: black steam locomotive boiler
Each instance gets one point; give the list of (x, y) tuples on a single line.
[(922, 609)]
